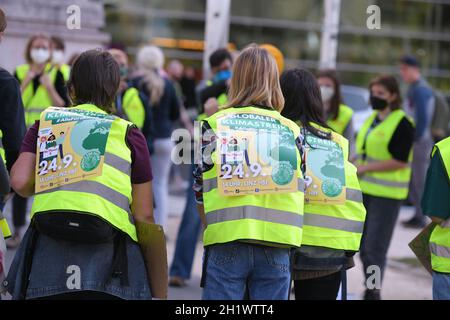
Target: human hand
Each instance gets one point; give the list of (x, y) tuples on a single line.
[(211, 106), (361, 169), (30, 75), (45, 81)]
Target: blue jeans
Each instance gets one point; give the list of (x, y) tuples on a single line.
[(188, 234), (231, 268), (441, 286)]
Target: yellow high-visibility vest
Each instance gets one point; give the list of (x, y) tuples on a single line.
[(107, 196), (371, 146), (275, 218), (440, 237), (133, 107), (35, 102), (337, 226), (344, 116)]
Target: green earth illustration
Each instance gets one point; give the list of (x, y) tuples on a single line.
[(97, 137), (88, 140), (90, 160), (334, 167), (282, 172), (331, 187)]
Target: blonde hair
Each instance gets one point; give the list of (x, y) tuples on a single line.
[(150, 59), (255, 80)]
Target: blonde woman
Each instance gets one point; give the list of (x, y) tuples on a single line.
[(164, 111), (252, 214)]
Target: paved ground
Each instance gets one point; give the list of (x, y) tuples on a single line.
[(404, 278)]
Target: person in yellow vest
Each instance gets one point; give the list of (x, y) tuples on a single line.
[(383, 147), (82, 240), (338, 115), (252, 215), (435, 204), (58, 58), (334, 216), (129, 103), (42, 84)]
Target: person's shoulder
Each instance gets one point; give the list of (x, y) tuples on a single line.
[(5, 75), (345, 108), (135, 81), (135, 137), (422, 87), (7, 80), (290, 123), (406, 121), (406, 126)]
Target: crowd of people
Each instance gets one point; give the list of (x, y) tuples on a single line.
[(287, 190)]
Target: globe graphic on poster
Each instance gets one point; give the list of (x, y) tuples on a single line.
[(88, 140)]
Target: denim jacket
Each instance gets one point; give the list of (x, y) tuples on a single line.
[(63, 267)]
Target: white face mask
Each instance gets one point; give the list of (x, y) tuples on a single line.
[(39, 55), (327, 93), (58, 57)]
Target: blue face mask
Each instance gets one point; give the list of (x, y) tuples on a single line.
[(222, 75)]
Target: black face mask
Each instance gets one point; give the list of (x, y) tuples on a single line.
[(378, 103)]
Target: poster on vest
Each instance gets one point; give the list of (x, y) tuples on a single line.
[(70, 147), (325, 171), (256, 154)]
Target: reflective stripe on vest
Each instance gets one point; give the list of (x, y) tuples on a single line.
[(440, 237), (383, 182), (322, 221), (367, 159), (34, 102), (440, 251), (374, 147), (344, 117), (274, 218), (440, 247), (257, 213), (107, 196), (94, 187)]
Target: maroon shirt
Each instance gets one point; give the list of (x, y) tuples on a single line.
[(141, 169)]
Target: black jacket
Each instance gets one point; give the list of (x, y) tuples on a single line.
[(12, 118)]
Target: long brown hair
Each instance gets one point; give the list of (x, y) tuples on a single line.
[(336, 99), (390, 83), (255, 80)]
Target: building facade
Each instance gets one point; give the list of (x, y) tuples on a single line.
[(53, 17), (415, 27)]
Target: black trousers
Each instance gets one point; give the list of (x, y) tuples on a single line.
[(382, 214), (323, 288), (19, 210)]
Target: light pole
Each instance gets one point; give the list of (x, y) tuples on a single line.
[(329, 42), (217, 28)]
